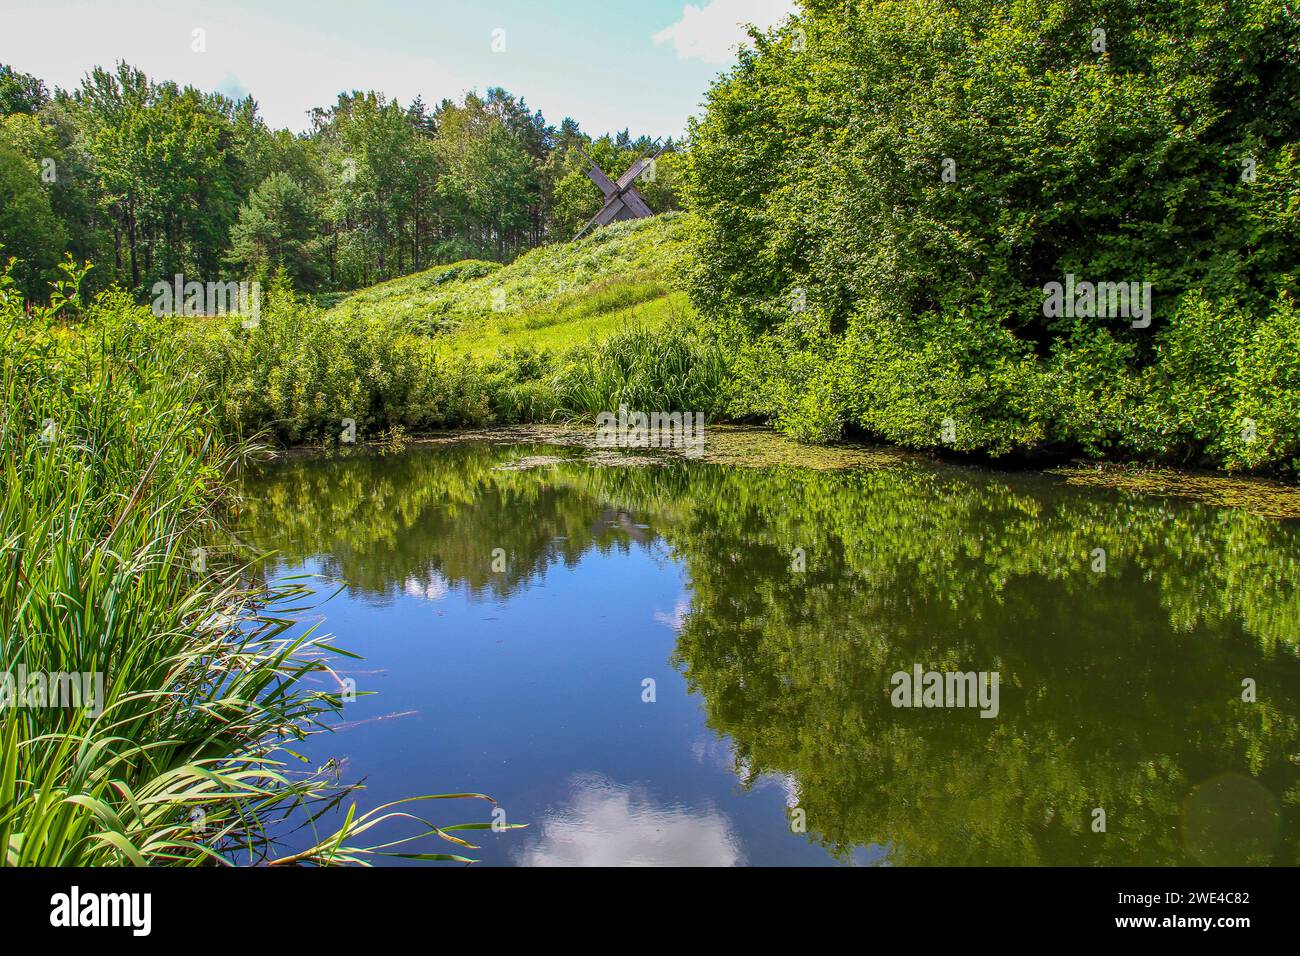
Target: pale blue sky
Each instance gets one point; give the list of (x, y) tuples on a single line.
[(643, 64)]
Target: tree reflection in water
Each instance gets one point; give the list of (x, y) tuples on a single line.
[(1120, 690)]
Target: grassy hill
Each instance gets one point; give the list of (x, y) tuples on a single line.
[(557, 296)]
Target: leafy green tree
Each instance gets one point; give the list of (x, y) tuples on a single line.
[(20, 92), (29, 229), (275, 230), (152, 178), (885, 190), (486, 175), (50, 141)]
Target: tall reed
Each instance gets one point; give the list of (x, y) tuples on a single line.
[(672, 367), (115, 476)]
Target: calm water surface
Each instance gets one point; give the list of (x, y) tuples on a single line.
[(1119, 690)]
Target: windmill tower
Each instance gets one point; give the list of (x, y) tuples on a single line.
[(622, 201)]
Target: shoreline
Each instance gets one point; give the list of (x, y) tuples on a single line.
[(757, 446)]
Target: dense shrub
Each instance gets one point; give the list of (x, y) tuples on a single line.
[(954, 378), (299, 373), (1266, 417), (670, 368), (1189, 392), (914, 174)]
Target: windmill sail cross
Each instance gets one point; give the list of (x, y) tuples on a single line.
[(622, 200)]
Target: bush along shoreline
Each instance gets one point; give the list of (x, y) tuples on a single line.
[(1005, 230), (1220, 392)]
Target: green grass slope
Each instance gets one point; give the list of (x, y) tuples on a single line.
[(446, 298), (556, 296)]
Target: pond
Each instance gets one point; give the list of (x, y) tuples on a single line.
[(654, 660)]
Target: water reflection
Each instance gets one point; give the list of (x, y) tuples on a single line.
[(1121, 690), (607, 824), (430, 588)]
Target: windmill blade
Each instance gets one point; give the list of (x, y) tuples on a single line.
[(597, 175), (639, 167), (608, 213), (631, 176), (611, 211), (636, 204), (622, 200)]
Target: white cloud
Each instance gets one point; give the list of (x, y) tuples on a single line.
[(434, 589), (607, 824), (711, 33), (232, 87), (677, 618)]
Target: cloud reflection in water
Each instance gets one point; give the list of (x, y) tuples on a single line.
[(608, 824)]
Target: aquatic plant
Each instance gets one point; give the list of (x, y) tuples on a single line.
[(190, 690)]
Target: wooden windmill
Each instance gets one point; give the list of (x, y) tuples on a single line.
[(622, 201)]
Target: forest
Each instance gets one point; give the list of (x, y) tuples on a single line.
[(145, 179)]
